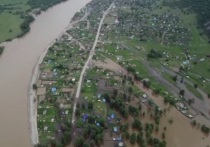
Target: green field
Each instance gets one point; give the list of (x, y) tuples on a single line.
[(13, 13), (10, 16)]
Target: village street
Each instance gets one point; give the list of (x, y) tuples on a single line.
[(87, 63)]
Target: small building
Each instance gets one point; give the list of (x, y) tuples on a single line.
[(54, 89), (119, 144), (45, 128), (112, 116), (85, 117), (115, 129)]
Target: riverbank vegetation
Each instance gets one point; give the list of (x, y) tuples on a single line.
[(15, 16), (1, 50), (43, 5)]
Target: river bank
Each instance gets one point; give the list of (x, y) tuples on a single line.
[(17, 63)]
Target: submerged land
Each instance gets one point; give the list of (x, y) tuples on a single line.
[(126, 73)]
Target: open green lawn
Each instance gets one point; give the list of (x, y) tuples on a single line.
[(9, 26), (11, 21), (194, 91)]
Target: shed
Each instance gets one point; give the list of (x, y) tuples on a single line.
[(115, 129), (54, 89)]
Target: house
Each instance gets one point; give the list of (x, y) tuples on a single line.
[(112, 116), (115, 129), (120, 144), (54, 89), (85, 117)]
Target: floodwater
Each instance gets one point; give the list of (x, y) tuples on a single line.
[(178, 134), (16, 66)]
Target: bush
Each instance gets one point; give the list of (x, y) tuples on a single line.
[(133, 138), (25, 26), (205, 129), (34, 86), (154, 54), (1, 49)]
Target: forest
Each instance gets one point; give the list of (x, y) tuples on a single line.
[(201, 8)]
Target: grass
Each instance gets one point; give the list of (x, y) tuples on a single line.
[(10, 23), (194, 91), (139, 67), (9, 26), (45, 120), (168, 77)]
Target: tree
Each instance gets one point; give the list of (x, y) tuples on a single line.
[(123, 82), (127, 135), (164, 128), (162, 144), (79, 142), (86, 145), (124, 96), (78, 112), (154, 54), (205, 129), (191, 101), (83, 106), (194, 122), (146, 83), (66, 138), (156, 128), (34, 86), (181, 92), (157, 90), (137, 124), (1, 49), (130, 90), (99, 139), (163, 135), (208, 95), (90, 105), (131, 69), (133, 138), (115, 93), (174, 78), (195, 85)]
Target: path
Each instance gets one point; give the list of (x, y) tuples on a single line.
[(32, 104), (87, 62)]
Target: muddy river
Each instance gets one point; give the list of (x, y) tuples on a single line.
[(16, 66)]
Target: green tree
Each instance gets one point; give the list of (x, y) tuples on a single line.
[(181, 92), (34, 86), (133, 138), (90, 105), (130, 90), (79, 142)]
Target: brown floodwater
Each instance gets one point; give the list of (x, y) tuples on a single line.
[(16, 66)]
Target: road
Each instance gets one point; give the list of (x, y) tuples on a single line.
[(87, 63), (201, 106)]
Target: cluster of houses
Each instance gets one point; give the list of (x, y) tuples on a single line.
[(185, 110), (59, 73), (136, 22)]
